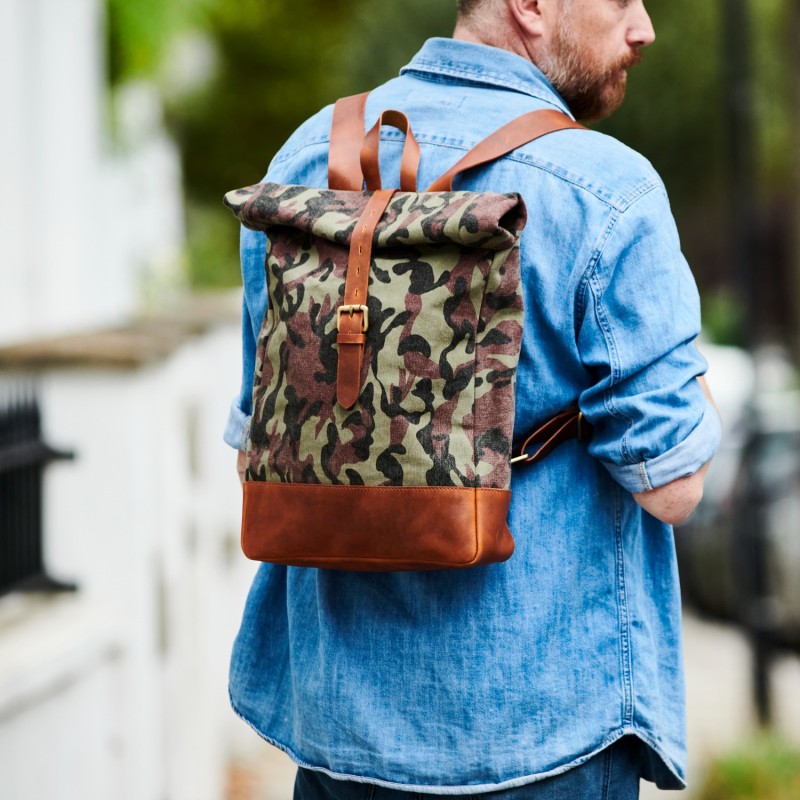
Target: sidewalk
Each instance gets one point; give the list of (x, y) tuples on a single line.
[(720, 712)]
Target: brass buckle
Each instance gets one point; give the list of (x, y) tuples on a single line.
[(351, 309)]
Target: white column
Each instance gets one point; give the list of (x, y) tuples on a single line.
[(18, 54)]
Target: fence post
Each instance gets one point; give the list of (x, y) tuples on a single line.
[(23, 458)]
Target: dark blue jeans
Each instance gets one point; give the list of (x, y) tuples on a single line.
[(612, 774)]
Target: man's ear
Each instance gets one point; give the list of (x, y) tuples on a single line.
[(531, 16)]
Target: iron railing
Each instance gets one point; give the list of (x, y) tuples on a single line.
[(23, 458)]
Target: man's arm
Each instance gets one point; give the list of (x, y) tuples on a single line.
[(675, 501)]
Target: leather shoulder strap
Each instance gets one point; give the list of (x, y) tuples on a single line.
[(514, 134), (347, 134)]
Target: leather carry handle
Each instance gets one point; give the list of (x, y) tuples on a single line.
[(567, 425), (347, 134), (370, 151), (512, 135)]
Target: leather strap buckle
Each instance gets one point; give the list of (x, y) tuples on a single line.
[(351, 309)]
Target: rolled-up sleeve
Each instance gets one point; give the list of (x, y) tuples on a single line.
[(252, 251), (641, 315)]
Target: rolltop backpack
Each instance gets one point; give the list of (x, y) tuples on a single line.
[(383, 394)]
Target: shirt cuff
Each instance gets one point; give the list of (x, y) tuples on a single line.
[(684, 459), (238, 428)]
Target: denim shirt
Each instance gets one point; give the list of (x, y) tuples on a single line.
[(475, 680)]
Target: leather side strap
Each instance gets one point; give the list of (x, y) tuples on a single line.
[(561, 428), (353, 319), (514, 134), (409, 164), (347, 133)]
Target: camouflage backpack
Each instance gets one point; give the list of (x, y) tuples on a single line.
[(383, 396)]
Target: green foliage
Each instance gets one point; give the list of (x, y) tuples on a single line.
[(723, 317), (276, 67), (140, 32), (767, 769), (213, 245), (279, 61), (383, 38), (674, 111), (771, 43)]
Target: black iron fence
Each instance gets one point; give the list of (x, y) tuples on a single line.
[(23, 458)]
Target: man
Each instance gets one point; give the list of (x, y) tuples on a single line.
[(557, 673)]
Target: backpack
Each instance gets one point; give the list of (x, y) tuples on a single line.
[(383, 394)]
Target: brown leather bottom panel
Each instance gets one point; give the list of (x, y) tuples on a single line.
[(375, 528)]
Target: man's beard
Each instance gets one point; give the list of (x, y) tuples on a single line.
[(591, 89)]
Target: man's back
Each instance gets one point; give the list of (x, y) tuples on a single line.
[(490, 677)]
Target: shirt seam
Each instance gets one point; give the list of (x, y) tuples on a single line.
[(593, 283), (644, 477), (624, 619)]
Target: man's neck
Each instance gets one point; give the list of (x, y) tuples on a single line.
[(494, 37)]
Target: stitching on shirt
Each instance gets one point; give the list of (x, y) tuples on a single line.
[(594, 283), (624, 619), (584, 284), (644, 477)]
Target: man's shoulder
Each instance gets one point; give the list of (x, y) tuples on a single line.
[(306, 145), (583, 160), (594, 163)]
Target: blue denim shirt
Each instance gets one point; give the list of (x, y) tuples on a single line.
[(469, 681)]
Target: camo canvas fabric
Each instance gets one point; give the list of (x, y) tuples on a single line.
[(436, 403)]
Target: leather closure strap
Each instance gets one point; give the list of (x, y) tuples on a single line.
[(353, 319), (514, 134), (409, 164), (567, 425), (347, 133)]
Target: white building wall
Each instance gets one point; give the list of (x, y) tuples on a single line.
[(146, 521), (60, 730), (119, 690), (16, 121), (82, 223)]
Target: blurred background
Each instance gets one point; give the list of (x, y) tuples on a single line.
[(122, 124)]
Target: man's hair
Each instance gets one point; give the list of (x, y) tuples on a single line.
[(470, 8), (467, 7)]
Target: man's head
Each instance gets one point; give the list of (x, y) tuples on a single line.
[(584, 47)]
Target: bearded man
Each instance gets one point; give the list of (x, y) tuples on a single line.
[(557, 673)]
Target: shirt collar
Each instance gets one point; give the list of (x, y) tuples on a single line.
[(486, 66)]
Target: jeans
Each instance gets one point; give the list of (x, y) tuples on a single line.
[(612, 774)]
